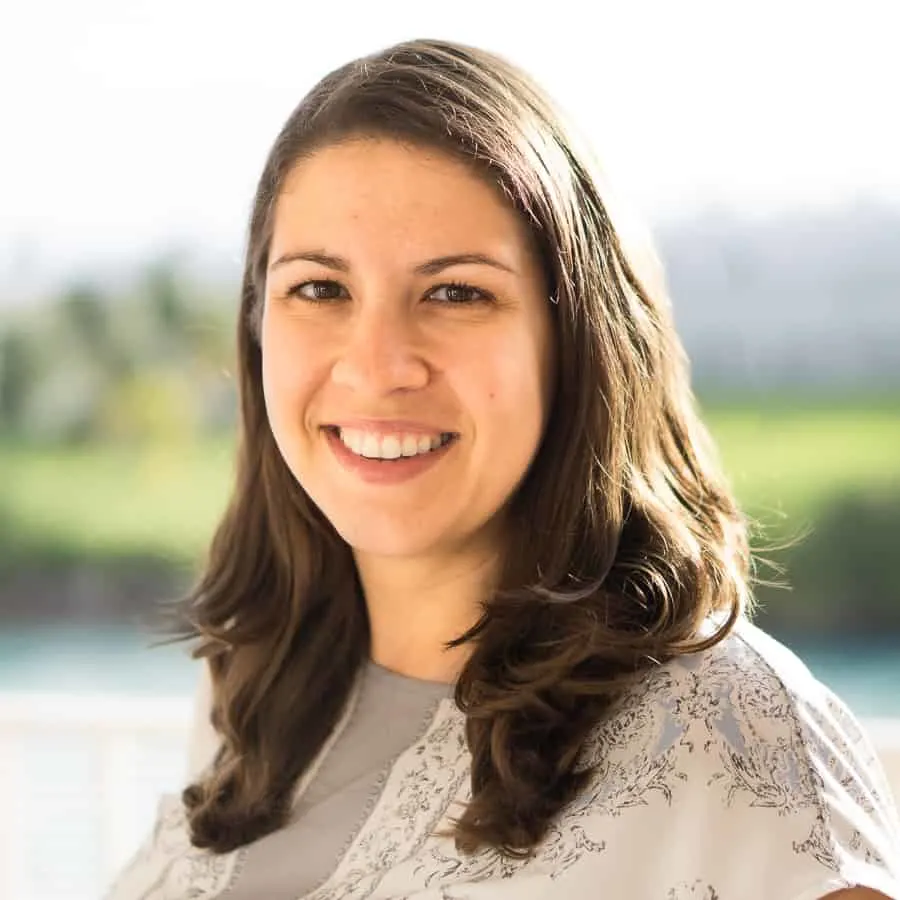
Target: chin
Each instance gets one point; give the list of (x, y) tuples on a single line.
[(389, 538)]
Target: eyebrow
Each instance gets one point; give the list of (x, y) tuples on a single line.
[(430, 267)]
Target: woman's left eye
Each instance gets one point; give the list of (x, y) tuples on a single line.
[(458, 293), (319, 291)]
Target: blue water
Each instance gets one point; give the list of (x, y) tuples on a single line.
[(114, 660), (96, 660)]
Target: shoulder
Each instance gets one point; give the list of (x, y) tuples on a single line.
[(750, 695), (743, 695), (759, 703), (743, 762)]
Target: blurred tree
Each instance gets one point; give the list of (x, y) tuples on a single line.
[(18, 369), (169, 309), (87, 318), (150, 407), (62, 407), (84, 311)]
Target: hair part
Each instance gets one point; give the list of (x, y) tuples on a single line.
[(625, 538)]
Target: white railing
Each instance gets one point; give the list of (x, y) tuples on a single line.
[(80, 779)]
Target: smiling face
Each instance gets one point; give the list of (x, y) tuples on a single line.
[(407, 347)]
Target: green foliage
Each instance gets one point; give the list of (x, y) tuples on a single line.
[(86, 316), (17, 372), (116, 413), (97, 503), (793, 460), (137, 365), (831, 474), (845, 571)]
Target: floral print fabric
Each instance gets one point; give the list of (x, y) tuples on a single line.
[(731, 774)]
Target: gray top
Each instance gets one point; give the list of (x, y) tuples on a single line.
[(393, 711)]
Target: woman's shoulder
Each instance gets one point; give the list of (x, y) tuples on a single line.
[(748, 652), (745, 690), (738, 753), (750, 701)]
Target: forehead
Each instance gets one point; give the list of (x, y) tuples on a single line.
[(387, 191)]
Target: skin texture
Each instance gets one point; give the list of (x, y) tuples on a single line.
[(390, 343)]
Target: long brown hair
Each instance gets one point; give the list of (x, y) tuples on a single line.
[(625, 537)]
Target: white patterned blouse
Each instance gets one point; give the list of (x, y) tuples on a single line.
[(732, 774)]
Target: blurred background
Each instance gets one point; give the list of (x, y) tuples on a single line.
[(757, 141)]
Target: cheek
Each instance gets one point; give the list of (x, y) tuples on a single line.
[(288, 371), (513, 383), (275, 374)]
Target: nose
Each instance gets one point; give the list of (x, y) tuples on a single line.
[(381, 354)]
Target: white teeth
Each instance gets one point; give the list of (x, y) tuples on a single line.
[(370, 446), (388, 446)]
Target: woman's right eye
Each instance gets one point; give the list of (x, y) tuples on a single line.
[(318, 291)]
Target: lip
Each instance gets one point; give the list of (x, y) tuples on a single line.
[(384, 472)]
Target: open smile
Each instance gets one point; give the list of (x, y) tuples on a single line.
[(390, 457), (390, 446)]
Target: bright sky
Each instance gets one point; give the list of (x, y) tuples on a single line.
[(128, 125)]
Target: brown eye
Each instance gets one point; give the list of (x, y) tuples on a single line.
[(318, 291), (458, 293)]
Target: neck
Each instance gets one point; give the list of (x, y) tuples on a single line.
[(417, 605)]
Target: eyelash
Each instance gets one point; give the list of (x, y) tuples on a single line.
[(481, 296)]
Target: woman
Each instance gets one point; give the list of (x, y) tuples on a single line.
[(475, 619)]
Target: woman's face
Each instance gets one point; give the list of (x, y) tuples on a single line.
[(407, 347)]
